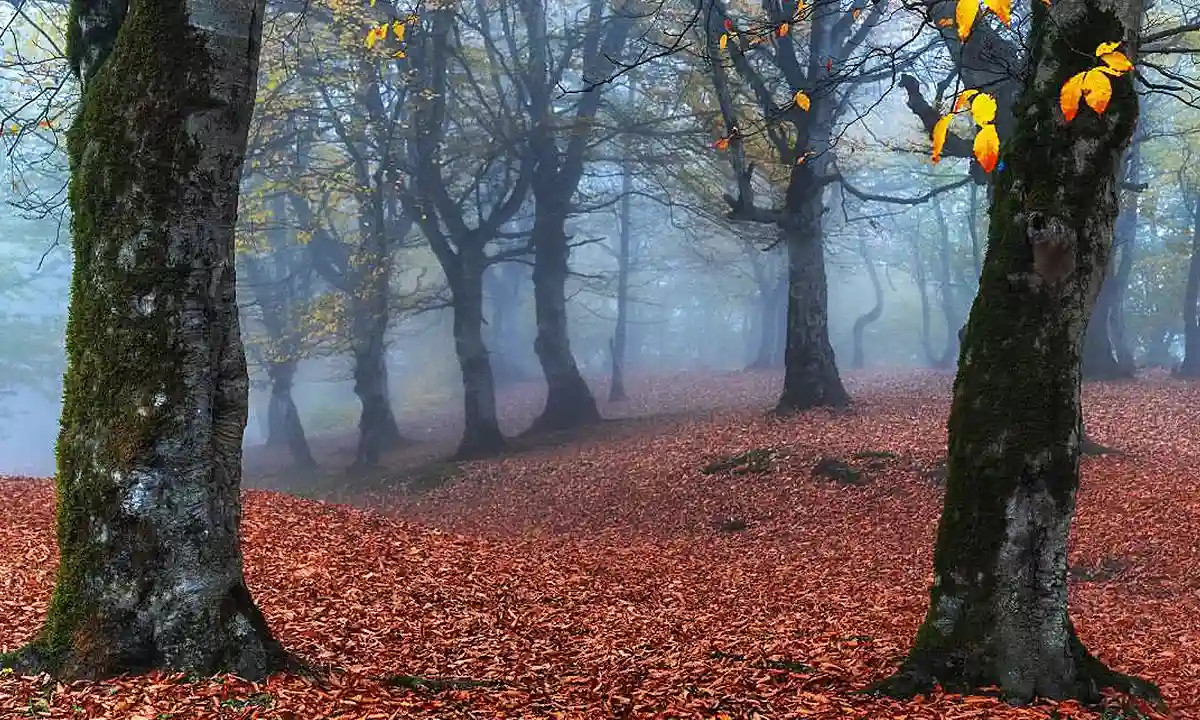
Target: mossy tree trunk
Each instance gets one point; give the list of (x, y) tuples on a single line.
[(155, 395), (998, 605)]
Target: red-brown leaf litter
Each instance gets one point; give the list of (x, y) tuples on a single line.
[(612, 577)]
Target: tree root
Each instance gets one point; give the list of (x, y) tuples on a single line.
[(920, 677)]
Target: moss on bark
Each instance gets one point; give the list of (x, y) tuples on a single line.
[(998, 606), (122, 602)]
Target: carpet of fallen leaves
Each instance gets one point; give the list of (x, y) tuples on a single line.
[(603, 579)]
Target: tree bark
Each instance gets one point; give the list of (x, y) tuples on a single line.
[(481, 428), (1190, 366), (155, 395), (811, 376), (620, 338), (569, 401), (283, 419), (998, 605), (862, 321)]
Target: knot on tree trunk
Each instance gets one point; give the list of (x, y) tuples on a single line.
[(1053, 243)]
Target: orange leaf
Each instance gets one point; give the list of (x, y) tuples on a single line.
[(855, 13), (801, 98), (963, 98), (945, 22), (722, 144), (939, 135), (782, 29), (1002, 8), (965, 13), (1069, 96), (1117, 61), (1097, 90), (987, 147)]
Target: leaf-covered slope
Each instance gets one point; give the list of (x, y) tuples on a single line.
[(602, 579)]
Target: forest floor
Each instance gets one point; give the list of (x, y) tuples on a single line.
[(612, 576)]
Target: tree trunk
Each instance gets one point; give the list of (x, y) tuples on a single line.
[(1099, 359), (861, 323), (155, 394), (481, 429), (378, 431), (998, 605), (1190, 367), (810, 372), (949, 302), (922, 283), (773, 308), (283, 419), (569, 401), (1126, 237), (620, 339)]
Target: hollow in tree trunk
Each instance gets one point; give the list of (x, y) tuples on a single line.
[(155, 394), (998, 605)]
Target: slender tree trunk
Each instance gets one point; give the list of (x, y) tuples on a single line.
[(155, 395), (810, 372), (284, 418), (922, 283), (773, 309), (1190, 367), (870, 316), (504, 282), (481, 428), (569, 401), (620, 339), (949, 302), (1099, 359), (1127, 238), (998, 605)]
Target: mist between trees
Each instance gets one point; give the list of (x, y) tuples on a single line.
[(420, 210)]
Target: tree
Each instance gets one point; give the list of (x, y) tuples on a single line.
[(155, 397), (998, 605)]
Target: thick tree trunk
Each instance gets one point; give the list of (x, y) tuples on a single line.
[(569, 401), (283, 418), (1190, 367), (155, 395), (810, 372), (862, 321), (481, 429), (998, 605)]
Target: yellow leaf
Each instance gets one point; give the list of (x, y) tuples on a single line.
[(398, 28), (1104, 48), (963, 98), (801, 98), (1069, 96), (1117, 61), (1097, 90), (1002, 8), (983, 109), (400, 54), (987, 147), (939, 135), (724, 40), (16, 129), (965, 13)]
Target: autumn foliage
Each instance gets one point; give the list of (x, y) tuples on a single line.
[(609, 579)]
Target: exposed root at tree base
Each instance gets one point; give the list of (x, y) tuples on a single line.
[(919, 678)]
